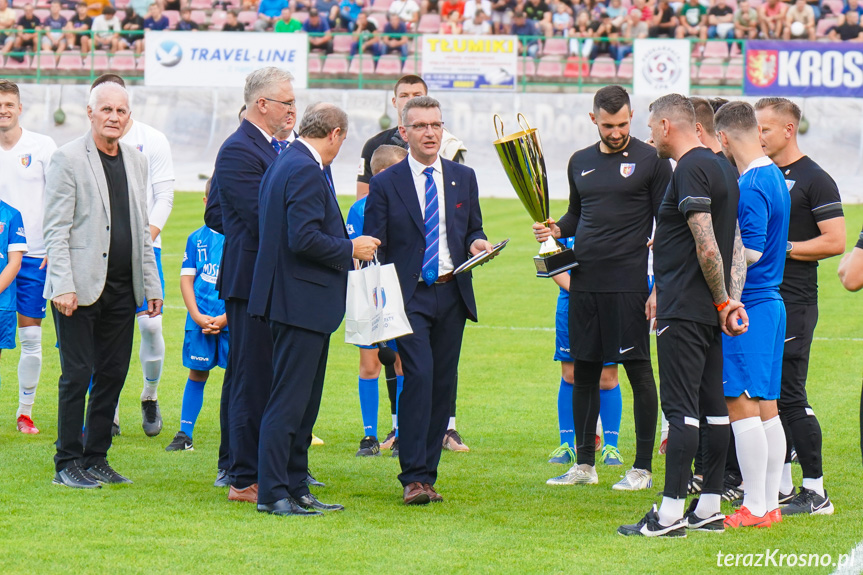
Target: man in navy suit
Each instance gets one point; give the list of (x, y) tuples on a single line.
[(240, 166), (299, 286), (426, 244)]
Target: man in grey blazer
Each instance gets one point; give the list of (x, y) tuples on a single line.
[(100, 268)]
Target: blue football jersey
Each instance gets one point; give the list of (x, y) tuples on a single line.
[(763, 213), (564, 294), (356, 218), (12, 239), (201, 259)]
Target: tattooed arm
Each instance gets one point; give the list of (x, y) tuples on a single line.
[(709, 258), (738, 266)]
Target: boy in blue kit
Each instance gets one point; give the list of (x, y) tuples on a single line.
[(752, 366), (206, 342), (370, 366), (13, 246)]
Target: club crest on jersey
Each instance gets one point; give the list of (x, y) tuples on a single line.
[(2, 227), (626, 170), (140, 148), (790, 184), (26, 160)]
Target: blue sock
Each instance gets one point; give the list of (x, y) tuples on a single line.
[(565, 419), (610, 410), (400, 385), (193, 399), (369, 406)]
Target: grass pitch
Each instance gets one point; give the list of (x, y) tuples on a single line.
[(499, 516)]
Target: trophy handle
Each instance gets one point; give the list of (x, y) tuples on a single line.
[(525, 126), (498, 131)]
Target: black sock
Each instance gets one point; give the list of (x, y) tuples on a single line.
[(392, 380), (681, 447), (585, 409), (805, 432), (645, 408)]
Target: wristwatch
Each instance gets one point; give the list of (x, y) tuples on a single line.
[(788, 247)]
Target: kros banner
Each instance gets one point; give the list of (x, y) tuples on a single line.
[(486, 63), (803, 69), (218, 59), (661, 67)]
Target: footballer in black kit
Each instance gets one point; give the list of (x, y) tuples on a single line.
[(616, 187)]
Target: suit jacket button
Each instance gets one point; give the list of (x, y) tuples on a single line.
[(104, 255), (107, 227), (416, 276)]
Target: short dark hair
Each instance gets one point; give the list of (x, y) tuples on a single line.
[(736, 117), (321, 119), (782, 106), (109, 10), (703, 114), (107, 78), (81, 5), (233, 13), (7, 87), (673, 107), (409, 80), (612, 99), (717, 103)]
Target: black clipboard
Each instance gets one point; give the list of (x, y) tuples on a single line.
[(480, 258)]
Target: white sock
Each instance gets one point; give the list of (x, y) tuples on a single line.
[(786, 485), (708, 505), (599, 426), (752, 454), (117, 414), (671, 511), (451, 424), (395, 421), (29, 367), (664, 425), (775, 434), (152, 354), (816, 485)]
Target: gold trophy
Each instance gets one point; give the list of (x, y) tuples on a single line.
[(522, 159)]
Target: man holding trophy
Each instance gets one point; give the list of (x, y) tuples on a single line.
[(616, 187)]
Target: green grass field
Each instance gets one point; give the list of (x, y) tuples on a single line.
[(499, 516)]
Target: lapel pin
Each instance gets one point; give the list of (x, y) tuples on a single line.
[(625, 154), (453, 183)]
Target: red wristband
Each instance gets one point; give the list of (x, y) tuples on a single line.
[(723, 305)]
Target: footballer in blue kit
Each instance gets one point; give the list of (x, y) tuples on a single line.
[(13, 246)]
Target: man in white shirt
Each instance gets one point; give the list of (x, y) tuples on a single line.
[(407, 10), (24, 157), (106, 30)]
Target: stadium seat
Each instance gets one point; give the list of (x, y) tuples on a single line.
[(575, 67), (44, 61), (366, 64), (70, 61), (141, 63), (824, 25), (693, 71), (716, 49), (217, 19), (555, 47), (624, 70), (526, 67), (200, 4), (836, 6), (173, 17), (429, 24), (121, 4), (549, 67), (248, 17), (734, 72), (712, 71), (99, 60), (199, 17), (389, 65), (335, 64), (301, 17), (67, 14), (412, 66), (41, 14), (603, 69), (342, 43), (315, 64), (381, 5), (123, 60), (13, 64), (735, 49)]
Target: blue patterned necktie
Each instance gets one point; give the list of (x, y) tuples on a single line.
[(432, 218), (278, 145), (330, 183)]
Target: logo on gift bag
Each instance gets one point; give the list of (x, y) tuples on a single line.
[(382, 299)]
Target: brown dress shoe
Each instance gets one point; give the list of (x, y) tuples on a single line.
[(434, 496), (248, 494), (415, 494)]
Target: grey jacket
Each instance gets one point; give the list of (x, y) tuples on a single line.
[(78, 218)]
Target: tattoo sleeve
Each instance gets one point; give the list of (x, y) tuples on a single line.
[(738, 266), (707, 250)]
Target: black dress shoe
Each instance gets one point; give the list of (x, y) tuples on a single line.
[(286, 506), (309, 501), (311, 481), (74, 476)]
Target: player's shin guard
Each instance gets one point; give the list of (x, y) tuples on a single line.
[(775, 460), (585, 409), (646, 410), (803, 432), (682, 443), (152, 354), (29, 368), (752, 452)]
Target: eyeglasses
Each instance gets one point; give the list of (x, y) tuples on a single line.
[(291, 105), (422, 127)]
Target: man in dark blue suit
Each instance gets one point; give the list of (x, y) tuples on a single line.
[(426, 244), (299, 286), (240, 166)]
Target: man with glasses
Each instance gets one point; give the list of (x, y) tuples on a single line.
[(443, 230)]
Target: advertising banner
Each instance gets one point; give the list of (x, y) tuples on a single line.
[(221, 59), (661, 67), (804, 69), (486, 63)]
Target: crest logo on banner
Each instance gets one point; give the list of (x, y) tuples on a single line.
[(169, 53), (626, 170), (26, 160), (762, 67), (661, 66)]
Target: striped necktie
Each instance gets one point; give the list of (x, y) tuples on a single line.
[(278, 145), (432, 218)]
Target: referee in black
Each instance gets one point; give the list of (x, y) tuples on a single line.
[(615, 188), (816, 231), (700, 269)]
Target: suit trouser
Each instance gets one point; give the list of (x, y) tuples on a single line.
[(430, 361), (95, 341), (300, 364), (224, 419), (251, 357)]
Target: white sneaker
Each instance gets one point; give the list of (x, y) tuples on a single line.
[(583, 474), (635, 480)]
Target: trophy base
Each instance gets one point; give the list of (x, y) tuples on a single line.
[(554, 264)]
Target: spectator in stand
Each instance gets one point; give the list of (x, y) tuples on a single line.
[(539, 12), (693, 20), (77, 27), (156, 20), (501, 15), (799, 22), (268, 12), (54, 24), (664, 22), (395, 38), (366, 37), (26, 40), (853, 6), (330, 11), (408, 11), (478, 25), (301, 5), (771, 18), (600, 30), (287, 23), (318, 29), (452, 25), (7, 22), (132, 36), (526, 31), (640, 17), (616, 11), (745, 21), (472, 6), (186, 24), (429, 6), (232, 24), (448, 6), (848, 31), (95, 7), (349, 12), (106, 30), (561, 20), (720, 20)]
